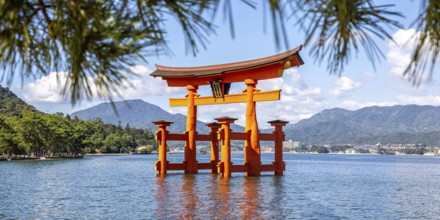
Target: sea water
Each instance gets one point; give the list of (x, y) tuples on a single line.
[(314, 186)]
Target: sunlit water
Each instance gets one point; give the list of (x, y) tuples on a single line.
[(314, 187)]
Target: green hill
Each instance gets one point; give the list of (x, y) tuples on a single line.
[(10, 104), (25, 132)]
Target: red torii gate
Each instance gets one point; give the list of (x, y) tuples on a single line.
[(220, 77)]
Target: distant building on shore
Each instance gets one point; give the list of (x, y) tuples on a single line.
[(350, 151), (290, 145)]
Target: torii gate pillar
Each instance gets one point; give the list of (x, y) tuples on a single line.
[(191, 122), (161, 135), (252, 154), (279, 163), (214, 146), (225, 166)]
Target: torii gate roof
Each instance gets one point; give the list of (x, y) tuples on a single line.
[(262, 68)]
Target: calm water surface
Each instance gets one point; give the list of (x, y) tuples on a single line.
[(314, 187)]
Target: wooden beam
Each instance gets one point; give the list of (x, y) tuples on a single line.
[(176, 166), (228, 99), (238, 136), (203, 137), (239, 168), (204, 166), (268, 167), (177, 137), (267, 137)]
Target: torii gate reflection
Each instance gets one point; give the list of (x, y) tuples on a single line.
[(220, 77)]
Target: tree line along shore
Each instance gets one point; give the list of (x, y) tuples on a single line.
[(34, 135), (26, 133)]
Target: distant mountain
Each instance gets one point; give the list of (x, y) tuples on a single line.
[(369, 125), (139, 114), (10, 104), (394, 124)]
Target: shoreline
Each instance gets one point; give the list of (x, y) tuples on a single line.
[(116, 154), (109, 154), (14, 158), (129, 154)]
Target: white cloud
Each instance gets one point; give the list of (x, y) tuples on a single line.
[(343, 85), (400, 51), (355, 105), (419, 100), (298, 101), (270, 84), (400, 100), (49, 88), (145, 85)]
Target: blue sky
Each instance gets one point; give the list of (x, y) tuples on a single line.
[(307, 90)]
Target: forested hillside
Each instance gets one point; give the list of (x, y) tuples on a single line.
[(10, 104), (25, 131), (400, 124)]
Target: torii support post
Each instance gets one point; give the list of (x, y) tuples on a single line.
[(161, 136), (225, 134), (252, 154), (279, 163), (214, 146), (191, 122)]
